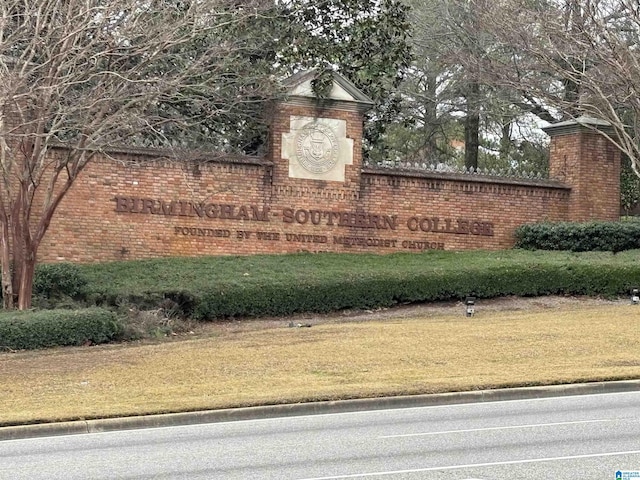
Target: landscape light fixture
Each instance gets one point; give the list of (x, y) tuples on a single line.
[(470, 304), (635, 296)]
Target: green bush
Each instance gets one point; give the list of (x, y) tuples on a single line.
[(378, 291), (208, 288), (57, 280), (49, 328), (580, 237), (274, 285)]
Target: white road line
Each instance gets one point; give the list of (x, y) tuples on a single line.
[(534, 425), (473, 465)]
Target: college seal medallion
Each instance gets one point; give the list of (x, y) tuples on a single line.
[(316, 148)]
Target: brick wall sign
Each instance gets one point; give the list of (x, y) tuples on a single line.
[(312, 193)]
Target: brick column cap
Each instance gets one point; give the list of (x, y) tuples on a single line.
[(579, 125)]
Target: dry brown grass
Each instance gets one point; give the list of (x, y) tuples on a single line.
[(238, 366)]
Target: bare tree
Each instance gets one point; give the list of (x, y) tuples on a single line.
[(442, 30), (89, 74), (445, 87), (571, 59)]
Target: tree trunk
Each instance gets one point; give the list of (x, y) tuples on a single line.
[(505, 142), (472, 128), (24, 250), (572, 97), (18, 250), (26, 281), (5, 255), (431, 125)]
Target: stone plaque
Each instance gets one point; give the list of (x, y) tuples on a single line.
[(317, 148)]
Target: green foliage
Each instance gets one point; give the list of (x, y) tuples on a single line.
[(248, 76), (364, 40), (57, 280), (526, 156), (629, 186), (580, 237), (50, 328), (221, 287), (323, 82)]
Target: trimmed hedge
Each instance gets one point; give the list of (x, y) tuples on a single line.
[(378, 291), (49, 328), (580, 237), (282, 285), (209, 288)]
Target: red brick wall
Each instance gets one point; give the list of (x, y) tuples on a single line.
[(493, 208), (139, 208), (88, 226)]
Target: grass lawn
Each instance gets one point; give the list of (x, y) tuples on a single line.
[(223, 366), (204, 273)]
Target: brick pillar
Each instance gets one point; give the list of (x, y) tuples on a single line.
[(317, 143), (281, 124), (587, 161)]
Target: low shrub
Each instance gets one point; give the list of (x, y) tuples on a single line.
[(378, 291), (25, 330), (58, 280), (579, 237), (276, 285)]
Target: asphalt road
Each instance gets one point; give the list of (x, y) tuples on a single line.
[(582, 437)]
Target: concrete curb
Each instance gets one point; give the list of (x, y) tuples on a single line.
[(289, 410)]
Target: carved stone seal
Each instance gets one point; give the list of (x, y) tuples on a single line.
[(316, 147)]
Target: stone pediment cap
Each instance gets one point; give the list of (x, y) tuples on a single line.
[(343, 90), (574, 125)]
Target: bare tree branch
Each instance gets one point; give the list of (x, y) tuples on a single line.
[(91, 74), (574, 59)]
